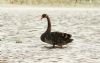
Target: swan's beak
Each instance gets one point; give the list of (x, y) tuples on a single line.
[(41, 18)]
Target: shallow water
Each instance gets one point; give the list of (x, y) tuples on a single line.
[(21, 28)]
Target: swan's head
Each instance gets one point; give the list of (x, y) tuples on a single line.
[(44, 16)]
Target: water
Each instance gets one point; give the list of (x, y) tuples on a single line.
[(21, 28)]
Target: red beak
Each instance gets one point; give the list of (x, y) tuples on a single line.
[(41, 18)]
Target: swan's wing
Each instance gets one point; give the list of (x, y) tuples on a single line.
[(60, 37)]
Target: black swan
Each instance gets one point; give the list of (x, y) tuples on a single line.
[(54, 38)]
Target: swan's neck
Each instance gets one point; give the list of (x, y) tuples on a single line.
[(49, 25)]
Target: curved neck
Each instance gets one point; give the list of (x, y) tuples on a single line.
[(49, 25)]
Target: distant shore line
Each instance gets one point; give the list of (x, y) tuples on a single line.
[(47, 8), (77, 6), (47, 5)]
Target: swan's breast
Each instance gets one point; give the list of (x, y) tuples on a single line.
[(42, 37)]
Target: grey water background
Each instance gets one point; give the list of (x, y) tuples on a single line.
[(21, 28)]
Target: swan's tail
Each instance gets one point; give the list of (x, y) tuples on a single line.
[(69, 40), (69, 36)]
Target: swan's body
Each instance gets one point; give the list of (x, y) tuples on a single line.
[(54, 38)]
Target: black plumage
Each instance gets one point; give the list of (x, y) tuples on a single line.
[(55, 38)]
